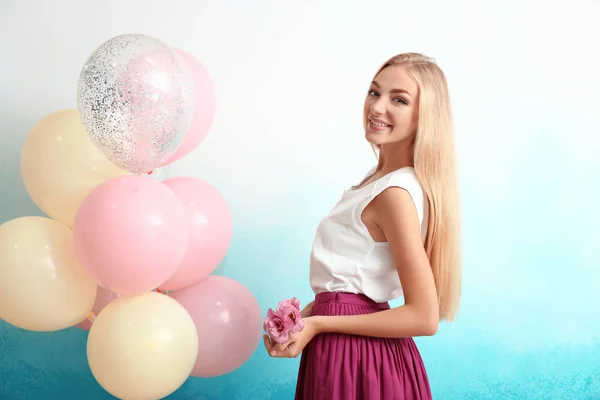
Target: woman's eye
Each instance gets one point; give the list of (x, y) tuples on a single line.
[(400, 100), (373, 93)]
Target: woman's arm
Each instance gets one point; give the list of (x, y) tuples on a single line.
[(396, 216)]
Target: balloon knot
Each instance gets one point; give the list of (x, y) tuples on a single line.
[(91, 316), (165, 292)]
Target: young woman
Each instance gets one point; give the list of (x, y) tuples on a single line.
[(396, 233)]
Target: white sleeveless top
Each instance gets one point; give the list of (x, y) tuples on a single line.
[(344, 256)]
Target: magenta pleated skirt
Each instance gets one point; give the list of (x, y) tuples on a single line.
[(347, 367)]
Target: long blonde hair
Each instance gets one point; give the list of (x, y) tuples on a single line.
[(435, 166)]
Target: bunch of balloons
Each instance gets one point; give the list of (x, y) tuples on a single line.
[(121, 254)]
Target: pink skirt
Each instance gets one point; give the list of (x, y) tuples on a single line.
[(347, 367)]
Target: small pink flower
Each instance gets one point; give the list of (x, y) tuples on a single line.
[(286, 319), (278, 326), (291, 309), (295, 302)]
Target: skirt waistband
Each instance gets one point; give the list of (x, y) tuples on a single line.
[(348, 298)]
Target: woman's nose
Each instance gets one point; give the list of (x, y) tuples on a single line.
[(377, 108)]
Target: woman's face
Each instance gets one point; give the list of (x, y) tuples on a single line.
[(392, 107)]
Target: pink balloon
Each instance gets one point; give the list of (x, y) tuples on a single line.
[(228, 320), (210, 226), (205, 107), (131, 234), (103, 297)]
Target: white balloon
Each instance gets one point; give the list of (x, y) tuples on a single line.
[(43, 287), (142, 347)]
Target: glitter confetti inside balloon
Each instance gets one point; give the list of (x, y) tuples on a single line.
[(136, 100)]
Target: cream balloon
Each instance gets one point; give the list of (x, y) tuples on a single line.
[(42, 285), (60, 165), (142, 347)]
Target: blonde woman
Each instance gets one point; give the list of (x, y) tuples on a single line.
[(396, 233)]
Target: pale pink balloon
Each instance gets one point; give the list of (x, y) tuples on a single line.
[(131, 234), (210, 226), (228, 320), (103, 297), (205, 107)]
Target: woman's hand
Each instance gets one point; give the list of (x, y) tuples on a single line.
[(307, 311), (297, 342)]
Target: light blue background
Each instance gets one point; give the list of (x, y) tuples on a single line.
[(525, 90), (527, 331)]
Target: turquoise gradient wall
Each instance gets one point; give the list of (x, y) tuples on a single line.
[(287, 140)]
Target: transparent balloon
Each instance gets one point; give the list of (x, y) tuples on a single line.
[(136, 100)]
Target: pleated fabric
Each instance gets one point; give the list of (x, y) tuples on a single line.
[(337, 366)]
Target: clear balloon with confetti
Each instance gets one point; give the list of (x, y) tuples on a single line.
[(136, 100)]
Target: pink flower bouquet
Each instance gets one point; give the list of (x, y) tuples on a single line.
[(285, 320)]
